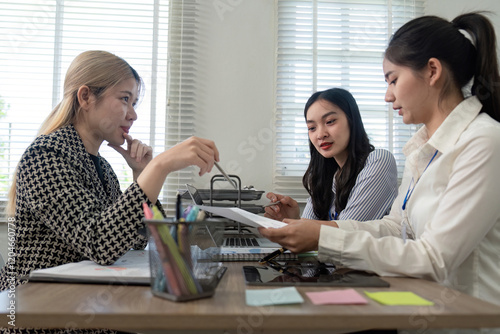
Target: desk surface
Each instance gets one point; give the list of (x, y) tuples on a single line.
[(134, 308)]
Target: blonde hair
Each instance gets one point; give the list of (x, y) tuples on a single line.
[(98, 70)]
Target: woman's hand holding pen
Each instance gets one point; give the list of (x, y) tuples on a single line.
[(193, 151), (286, 208), (137, 154)]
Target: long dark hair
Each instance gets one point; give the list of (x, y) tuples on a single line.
[(318, 179), (432, 37)]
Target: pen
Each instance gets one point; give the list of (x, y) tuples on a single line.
[(271, 204), (178, 205), (193, 214), (178, 209), (273, 255), (276, 266), (225, 175), (148, 213)]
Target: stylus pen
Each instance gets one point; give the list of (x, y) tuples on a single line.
[(271, 204), (272, 256), (225, 175)]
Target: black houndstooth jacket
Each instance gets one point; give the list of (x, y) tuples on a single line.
[(64, 213)]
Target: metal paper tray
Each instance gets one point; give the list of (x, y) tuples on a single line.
[(227, 194)]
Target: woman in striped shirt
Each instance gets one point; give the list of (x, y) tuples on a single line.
[(347, 177)]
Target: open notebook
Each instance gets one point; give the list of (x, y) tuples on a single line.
[(131, 268), (236, 246)]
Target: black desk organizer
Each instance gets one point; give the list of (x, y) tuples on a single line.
[(230, 197), (228, 193)]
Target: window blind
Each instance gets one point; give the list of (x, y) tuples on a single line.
[(324, 44), (39, 39), (181, 89)]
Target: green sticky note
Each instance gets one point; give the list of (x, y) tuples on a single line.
[(281, 296), (398, 298)]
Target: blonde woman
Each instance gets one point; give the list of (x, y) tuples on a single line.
[(66, 199)]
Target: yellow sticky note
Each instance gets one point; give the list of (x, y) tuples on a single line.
[(398, 298)]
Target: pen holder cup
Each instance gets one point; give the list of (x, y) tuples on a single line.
[(183, 258)]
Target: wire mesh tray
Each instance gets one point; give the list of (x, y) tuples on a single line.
[(227, 194)]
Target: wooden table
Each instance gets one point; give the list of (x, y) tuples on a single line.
[(134, 308)]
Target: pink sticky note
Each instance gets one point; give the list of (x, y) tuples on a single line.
[(347, 296)]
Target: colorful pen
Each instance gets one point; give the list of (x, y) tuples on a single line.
[(148, 213), (192, 214)]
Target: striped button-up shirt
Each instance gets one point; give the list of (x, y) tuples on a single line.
[(372, 195)]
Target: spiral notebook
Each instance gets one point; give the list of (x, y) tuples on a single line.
[(252, 254)]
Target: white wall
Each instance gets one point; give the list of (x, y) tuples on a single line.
[(236, 89), (449, 9)]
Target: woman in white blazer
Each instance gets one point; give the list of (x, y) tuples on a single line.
[(445, 223)]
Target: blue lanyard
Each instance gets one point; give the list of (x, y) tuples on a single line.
[(409, 192), (335, 215)]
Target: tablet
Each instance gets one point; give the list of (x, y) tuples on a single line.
[(319, 275)]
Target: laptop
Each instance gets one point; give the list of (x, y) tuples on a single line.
[(235, 236)]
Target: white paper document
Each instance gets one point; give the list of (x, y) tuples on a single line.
[(243, 216), (132, 268)]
